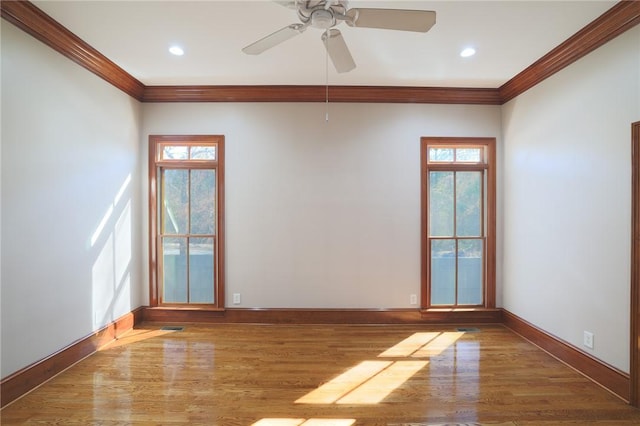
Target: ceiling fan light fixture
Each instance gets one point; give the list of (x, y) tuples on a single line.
[(322, 19)]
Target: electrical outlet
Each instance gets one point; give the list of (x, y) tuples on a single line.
[(413, 299), (588, 339), (236, 298)]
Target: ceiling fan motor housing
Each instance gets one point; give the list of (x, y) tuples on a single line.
[(321, 14)]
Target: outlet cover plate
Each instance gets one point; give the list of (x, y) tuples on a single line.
[(588, 339)]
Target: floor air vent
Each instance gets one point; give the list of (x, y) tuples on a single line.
[(469, 329), (172, 328)]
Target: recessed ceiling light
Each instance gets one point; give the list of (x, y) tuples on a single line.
[(468, 51), (176, 50)]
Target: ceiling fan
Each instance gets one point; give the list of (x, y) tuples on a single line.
[(327, 14)]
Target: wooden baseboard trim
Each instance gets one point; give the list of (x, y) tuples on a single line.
[(602, 373), (28, 378), (324, 316)]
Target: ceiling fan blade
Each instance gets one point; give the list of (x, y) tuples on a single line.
[(274, 39), (291, 4), (392, 19), (338, 51)]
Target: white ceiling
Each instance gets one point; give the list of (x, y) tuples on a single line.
[(508, 37)]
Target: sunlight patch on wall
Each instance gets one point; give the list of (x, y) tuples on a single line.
[(105, 219), (102, 277), (109, 212), (122, 190), (122, 255), (111, 271)]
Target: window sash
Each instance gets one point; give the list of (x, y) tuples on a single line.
[(189, 150), (186, 224), (186, 270), (197, 243), (455, 150), (486, 236), (457, 266), (445, 268)]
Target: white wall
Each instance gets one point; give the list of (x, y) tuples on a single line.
[(70, 148), (567, 199), (322, 215)]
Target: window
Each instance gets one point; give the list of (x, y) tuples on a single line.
[(186, 220), (458, 222)]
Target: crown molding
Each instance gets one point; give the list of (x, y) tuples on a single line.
[(26, 16), (621, 17), (363, 94)]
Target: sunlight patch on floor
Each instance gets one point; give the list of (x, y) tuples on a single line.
[(370, 382), (438, 345), (409, 345), (344, 383), (381, 385)]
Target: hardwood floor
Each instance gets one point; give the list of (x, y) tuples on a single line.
[(319, 375)]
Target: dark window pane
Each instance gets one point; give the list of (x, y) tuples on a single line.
[(470, 261), (441, 155), (175, 152), (175, 202), (441, 204), (468, 155), (174, 276), (203, 201), (201, 277), (203, 152), (468, 204), (443, 272)]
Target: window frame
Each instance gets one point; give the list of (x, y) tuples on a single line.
[(488, 166), (156, 143)]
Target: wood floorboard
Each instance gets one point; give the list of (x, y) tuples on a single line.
[(281, 375)]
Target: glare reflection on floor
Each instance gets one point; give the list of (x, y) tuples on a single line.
[(304, 422), (136, 335)]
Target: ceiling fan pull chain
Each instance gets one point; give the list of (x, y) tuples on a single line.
[(326, 73)]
